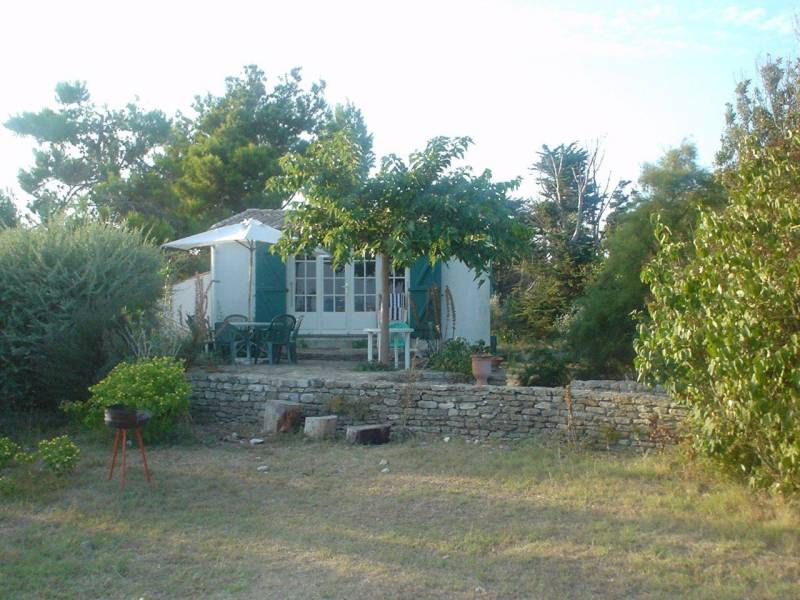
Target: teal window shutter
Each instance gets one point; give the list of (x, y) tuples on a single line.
[(423, 276), (270, 284)]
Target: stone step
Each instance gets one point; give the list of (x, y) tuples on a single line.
[(354, 355), (319, 342)]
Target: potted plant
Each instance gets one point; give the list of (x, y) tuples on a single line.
[(482, 367), (482, 362)]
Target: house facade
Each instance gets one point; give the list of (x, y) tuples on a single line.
[(341, 301)]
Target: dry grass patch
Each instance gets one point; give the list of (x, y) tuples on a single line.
[(449, 520)]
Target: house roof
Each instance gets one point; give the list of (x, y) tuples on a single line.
[(268, 216)]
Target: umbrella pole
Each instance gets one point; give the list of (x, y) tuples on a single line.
[(250, 286)]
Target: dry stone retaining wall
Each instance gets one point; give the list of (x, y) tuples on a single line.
[(606, 413)]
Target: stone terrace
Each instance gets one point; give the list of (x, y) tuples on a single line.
[(603, 413)]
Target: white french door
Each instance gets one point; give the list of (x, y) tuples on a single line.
[(343, 300), (334, 296)]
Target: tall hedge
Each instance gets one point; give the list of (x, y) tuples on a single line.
[(64, 288), (725, 330)]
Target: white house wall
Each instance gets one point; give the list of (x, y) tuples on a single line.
[(471, 302), (183, 297), (229, 266), (228, 293)]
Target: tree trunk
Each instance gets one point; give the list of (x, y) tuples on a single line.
[(383, 351)]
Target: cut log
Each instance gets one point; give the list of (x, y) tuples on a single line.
[(368, 434), (320, 427), (281, 416)]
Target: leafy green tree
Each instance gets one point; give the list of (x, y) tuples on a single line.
[(566, 224), (425, 207), (674, 190), (762, 115), (724, 333), (8, 211), (89, 158), (224, 157)]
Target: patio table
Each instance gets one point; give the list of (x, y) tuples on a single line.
[(250, 325), (405, 331)]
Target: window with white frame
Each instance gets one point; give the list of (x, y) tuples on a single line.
[(364, 285)]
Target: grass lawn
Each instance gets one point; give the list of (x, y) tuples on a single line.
[(449, 520)]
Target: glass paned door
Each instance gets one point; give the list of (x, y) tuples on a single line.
[(333, 316), (305, 283), (333, 287)]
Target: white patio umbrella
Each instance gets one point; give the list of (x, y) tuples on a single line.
[(247, 233)]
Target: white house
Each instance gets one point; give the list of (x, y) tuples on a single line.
[(332, 301)]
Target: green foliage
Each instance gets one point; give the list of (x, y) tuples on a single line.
[(223, 158), (565, 222), (764, 115), (8, 211), (355, 409), (725, 330), (406, 210), (158, 385), (168, 176), (91, 158), (544, 366), (373, 366), (454, 356), (8, 451), (674, 190), (59, 454), (64, 289)]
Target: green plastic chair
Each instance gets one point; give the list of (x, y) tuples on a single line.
[(230, 339), (292, 348), (272, 339), (397, 341)]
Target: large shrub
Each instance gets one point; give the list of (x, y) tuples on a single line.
[(64, 289), (725, 331), (157, 385)]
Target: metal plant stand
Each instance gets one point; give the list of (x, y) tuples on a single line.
[(123, 419)]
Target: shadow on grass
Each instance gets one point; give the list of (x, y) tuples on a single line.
[(426, 529)]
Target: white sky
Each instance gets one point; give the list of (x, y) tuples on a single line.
[(641, 76)]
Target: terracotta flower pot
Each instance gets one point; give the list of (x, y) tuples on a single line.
[(482, 368)]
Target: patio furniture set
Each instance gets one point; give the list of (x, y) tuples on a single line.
[(235, 336)]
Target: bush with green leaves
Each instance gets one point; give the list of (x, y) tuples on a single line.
[(158, 385), (64, 289), (8, 451), (547, 367), (724, 336), (454, 356), (59, 454)]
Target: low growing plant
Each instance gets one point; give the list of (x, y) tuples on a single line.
[(455, 356), (59, 455), (358, 409), (157, 385), (8, 451)]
